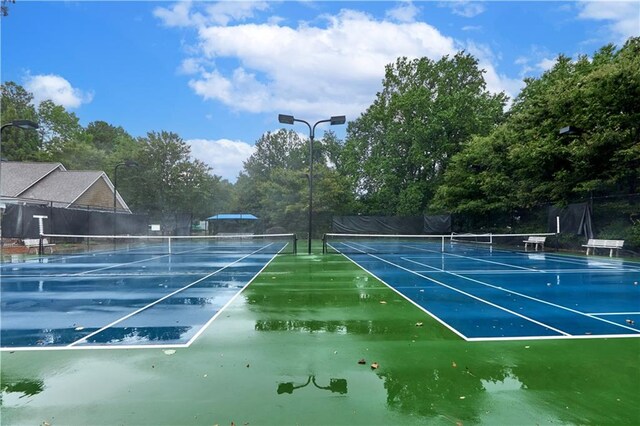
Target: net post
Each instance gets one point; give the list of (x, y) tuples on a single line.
[(442, 238), (295, 243), (169, 241), (324, 243)]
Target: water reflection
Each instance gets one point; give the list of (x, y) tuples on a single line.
[(334, 386), (26, 387)]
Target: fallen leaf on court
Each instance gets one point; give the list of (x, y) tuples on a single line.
[(169, 351), (362, 361), (453, 364), (383, 302), (374, 365), (462, 397), (418, 324), (78, 328)]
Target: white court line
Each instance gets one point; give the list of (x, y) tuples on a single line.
[(582, 336), (549, 271), (612, 313), (464, 293), (162, 298), (535, 299)]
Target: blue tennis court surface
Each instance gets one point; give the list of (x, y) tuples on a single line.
[(490, 294), (123, 299)]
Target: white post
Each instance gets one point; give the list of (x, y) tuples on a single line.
[(40, 231), (40, 223), (557, 224)]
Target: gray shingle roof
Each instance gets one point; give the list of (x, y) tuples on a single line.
[(63, 186), (17, 177)]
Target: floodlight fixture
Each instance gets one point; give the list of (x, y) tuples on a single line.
[(569, 130), (285, 119), (338, 119), (22, 124)]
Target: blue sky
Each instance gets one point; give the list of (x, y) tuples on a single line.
[(219, 73)]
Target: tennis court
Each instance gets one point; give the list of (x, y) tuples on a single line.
[(128, 292), (486, 293)]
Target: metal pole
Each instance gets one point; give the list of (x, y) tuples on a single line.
[(115, 192), (311, 136)]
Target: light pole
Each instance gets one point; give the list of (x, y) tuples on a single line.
[(127, 163), (21, 124), (290, 119)]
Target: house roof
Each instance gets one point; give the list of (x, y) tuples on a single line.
[(229, 216), (63, 186), (49, 182), (17, 177)]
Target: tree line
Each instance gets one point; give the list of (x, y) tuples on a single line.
[(434, 140)]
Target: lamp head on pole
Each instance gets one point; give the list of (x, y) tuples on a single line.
[(337, 119), (286, 119), (569, 130), (25, 124)]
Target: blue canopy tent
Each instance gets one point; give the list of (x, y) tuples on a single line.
[(232, 223)]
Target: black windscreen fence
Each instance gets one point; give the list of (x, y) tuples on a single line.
[(574, 219), (18, 222), (407, 225), (437, 224)]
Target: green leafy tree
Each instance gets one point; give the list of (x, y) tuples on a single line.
[(397, 151), (168, 185), (274, 184), (17, 104), (65, 140), (526, 162)]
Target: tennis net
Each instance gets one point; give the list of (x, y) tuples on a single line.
[(174, 245), (450, 243)]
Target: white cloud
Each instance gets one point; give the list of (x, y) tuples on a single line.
[(226, 157), (220, 13), (465, 8), (312, 70), (405, 12), (333, 67), (56, 89), (624, 17), (179, 15), (226, 11)]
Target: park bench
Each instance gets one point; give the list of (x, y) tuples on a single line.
[(606, 244), (536, 241), (34, 243)]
